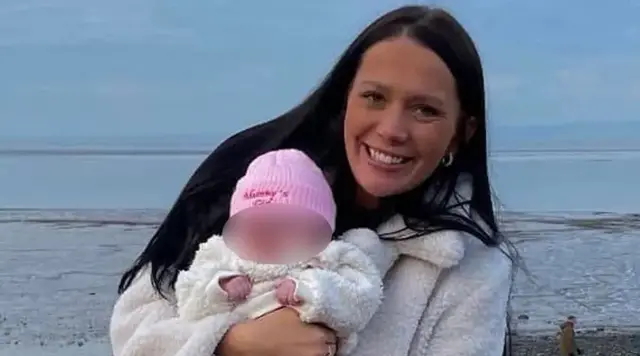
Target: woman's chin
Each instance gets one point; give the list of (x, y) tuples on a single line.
[(379, 183), (379, 188)]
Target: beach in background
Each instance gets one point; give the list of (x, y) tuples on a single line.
[(73, 218)]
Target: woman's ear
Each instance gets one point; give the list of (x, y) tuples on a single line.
[(469, 129), (471, 126)]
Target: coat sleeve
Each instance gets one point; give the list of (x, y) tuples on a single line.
[(198, 291), (145, 324), (471, 320), (345, 295)]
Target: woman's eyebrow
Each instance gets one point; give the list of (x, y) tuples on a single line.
[(435, 100), (429, 99), (377, 85)]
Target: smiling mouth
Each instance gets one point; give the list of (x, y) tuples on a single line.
[(385, 158)]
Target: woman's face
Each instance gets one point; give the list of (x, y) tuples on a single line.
[(401, 117)]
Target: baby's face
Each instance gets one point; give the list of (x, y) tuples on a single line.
[(277, 238)]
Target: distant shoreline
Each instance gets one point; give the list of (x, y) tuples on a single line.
[(87, 151), (152, 217)]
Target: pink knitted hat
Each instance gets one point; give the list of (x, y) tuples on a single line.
[(285, 177)]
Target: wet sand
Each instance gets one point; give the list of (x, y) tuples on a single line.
[(59, 270), (593, 345)]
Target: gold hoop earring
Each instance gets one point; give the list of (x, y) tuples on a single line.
[(447, 160)]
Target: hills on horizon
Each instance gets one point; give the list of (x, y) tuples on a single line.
[(575, 135)]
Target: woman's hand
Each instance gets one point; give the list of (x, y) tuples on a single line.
[(279, 333)]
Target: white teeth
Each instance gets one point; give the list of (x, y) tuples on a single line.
[(383, 157)]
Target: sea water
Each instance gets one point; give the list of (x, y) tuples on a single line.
[(539, 181)]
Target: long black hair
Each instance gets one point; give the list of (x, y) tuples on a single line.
[(315, 126)]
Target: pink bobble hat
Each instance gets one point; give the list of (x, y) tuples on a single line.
[(285, 179)]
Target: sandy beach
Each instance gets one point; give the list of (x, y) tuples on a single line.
[(59, 270)]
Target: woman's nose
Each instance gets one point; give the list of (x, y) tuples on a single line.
[(392, 127)]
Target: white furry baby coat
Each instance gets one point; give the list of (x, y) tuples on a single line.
[(445, 294), (330, 285)]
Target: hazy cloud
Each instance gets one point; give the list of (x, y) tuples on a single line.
[(502, 83), (154, 66), (54, 22)]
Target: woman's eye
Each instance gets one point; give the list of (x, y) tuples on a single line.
[(374, 99), (426, 112)]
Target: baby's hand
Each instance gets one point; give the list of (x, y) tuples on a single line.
[(286, 292), (237, 287)]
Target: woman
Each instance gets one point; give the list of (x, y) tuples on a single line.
[(399, 128)]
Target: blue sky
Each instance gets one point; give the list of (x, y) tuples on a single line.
[(157, 67)]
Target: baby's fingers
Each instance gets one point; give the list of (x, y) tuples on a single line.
[(293, 299), (246, 287)]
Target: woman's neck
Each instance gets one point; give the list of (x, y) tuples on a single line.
[(366, 200)]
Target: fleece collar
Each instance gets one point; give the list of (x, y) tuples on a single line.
[(442, 248)]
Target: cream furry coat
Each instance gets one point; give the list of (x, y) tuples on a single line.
[(330, 284), (445, 294)]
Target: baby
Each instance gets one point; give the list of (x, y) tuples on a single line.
[(277, 251)]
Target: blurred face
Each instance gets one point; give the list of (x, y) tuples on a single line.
[(401, 117), (268, 235)]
